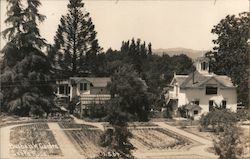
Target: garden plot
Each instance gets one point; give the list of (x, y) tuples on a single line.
[(145, 139), (142, 124), (33, 140), (86, 141), (68, 125)]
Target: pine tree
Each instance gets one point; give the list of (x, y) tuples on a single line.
[(76, 45), (150, 49), (25, 80)]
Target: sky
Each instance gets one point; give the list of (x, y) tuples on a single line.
[(164, 23)]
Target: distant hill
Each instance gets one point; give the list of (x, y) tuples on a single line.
[(177, 51)]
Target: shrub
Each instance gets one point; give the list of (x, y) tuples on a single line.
[(228, 145), (243, 115), (217, 118)]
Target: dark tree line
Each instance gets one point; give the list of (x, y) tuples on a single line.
[(157, 71)]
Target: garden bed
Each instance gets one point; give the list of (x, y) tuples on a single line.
[(33, 140), (86, 141), (142, 124), (157, 139), (30, 120), (69, 125)]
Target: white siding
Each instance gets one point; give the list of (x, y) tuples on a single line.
[(188, 95)]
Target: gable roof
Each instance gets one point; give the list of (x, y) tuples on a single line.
[(95, 81), (179, 79), (201, 79)]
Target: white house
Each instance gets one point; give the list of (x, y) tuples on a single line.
[(201, 90), (88, 90), (77, 86)]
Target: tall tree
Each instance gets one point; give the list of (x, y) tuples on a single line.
[(76, 45), (230, 55), (131, 92), (25, 79)]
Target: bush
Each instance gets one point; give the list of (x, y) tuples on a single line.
[(116, 140), (217, 118), (228, 145), (243, 115)]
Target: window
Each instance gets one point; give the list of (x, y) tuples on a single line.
[(210, 104), (61, 89), (196, 112), (85, 86), (81, 86), (203, 66), (224, 104), (197, 102), (68, 90), (211, 90)]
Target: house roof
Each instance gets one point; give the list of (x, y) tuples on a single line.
[(95, 81), (197, 79), (100, 81), (180, 78)]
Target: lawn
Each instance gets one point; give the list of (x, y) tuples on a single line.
[(33, 140)]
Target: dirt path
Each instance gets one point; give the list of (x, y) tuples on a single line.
[(96, 124), (5, 142), (68, 149)]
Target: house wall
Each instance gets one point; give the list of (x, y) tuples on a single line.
[(83, 91), (99, 90), (188, 95), (231, 97)]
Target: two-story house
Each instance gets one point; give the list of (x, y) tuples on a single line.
[(89, 91), (201, 90)]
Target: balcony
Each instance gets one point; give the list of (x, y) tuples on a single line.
[(170, 95)]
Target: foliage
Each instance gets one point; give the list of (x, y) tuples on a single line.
[(76, 46), (25, 73), (130, 93), (218, 118), (116, 139), (97, 111), (129, 102), (243, 114), (229, 143), (156, 70), (230, 55), (182, 111)]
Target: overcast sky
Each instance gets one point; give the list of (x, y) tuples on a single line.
[(164, 23)]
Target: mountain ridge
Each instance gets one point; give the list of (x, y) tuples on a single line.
[(179, 50)]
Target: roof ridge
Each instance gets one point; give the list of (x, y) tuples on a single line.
[(190, 76)]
